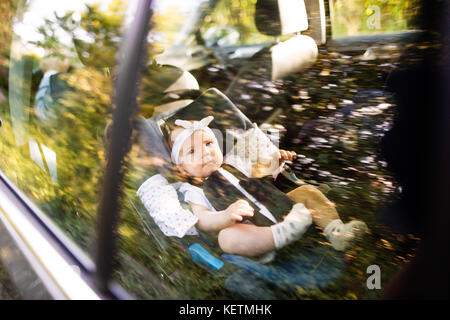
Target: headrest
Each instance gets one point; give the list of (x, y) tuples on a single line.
[(160, 83), (293, 55), (212, 102), (280, 17)]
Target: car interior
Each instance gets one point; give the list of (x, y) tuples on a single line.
[(315, 76)]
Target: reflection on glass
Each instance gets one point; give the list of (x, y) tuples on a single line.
[(332, 114), (57, 111), (358, 17), (61, 71), (35, 154)]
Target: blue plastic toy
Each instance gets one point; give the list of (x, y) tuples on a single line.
[(200, 254)]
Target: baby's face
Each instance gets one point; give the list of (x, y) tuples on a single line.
[(200, 154)]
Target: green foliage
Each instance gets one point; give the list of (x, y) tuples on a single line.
[(7, 12), (239, 14), (102, 28), (353, 17)]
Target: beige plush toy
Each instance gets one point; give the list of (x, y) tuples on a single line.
[(254, 153)]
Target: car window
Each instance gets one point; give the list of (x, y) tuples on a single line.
[(331, 108), (357, 18), (332, 113), (57, 105)]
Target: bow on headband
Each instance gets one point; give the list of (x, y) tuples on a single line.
[(196, 125), (190, 128)]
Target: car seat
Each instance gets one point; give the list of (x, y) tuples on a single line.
[(311, 266), (285, 17)]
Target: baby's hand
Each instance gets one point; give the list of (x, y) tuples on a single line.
[(287, 155), (239, 209)]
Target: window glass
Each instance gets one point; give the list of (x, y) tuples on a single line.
[(56, 107), (332, 113), (359, 17), (172, 22)]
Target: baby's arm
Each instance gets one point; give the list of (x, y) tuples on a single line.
[(217, 220), (287, 155)]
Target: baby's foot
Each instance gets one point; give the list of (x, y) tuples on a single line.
[(293, 227), (299, 213), (344, 235)]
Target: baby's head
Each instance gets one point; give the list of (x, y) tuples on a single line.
[(195, 149)]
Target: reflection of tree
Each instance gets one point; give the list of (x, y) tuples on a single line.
[(81, 109), (7, 12), (104, 30), (349, 14), (82, 105), (76, 136), (238, 14), (166, 27), (96, 35)]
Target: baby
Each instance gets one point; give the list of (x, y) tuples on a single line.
[(196, 153)]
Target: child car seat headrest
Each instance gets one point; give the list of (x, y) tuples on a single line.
[(293, 55), (163, 88), (154, 132), (211, 103), (230, 126), (280, 17)]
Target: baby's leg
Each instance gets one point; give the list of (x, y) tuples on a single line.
[(251, 240), (324, 214), (246, 240), (322, 210)]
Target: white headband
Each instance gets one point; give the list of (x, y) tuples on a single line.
[(190, 128)]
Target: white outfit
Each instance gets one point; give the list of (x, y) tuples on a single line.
[(161, 201), (195, 195)]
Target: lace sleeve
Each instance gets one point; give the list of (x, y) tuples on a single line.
[(162, 203)]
